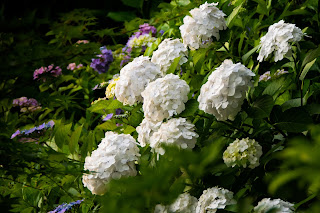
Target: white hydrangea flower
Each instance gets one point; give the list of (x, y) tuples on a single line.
[(115, 157), (244, 152), (213, 199), (206, 21), (134, 77), (167, 51), (145, 131), (160, 209), (176, 131), (165, 97), (185, 203), (277, 205), (223, 94), (142, 40), (277, 40)]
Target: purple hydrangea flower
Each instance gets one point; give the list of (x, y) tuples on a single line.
[(107, 117), (43, 126), (44, 72), (26, 105), (101, 65), (15, 134), (65, 207), (119, 111), (161, 32)]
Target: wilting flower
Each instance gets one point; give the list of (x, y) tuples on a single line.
[(176, 131), (167, 51), (213, 199), (206, 21), (114, 158), (277, 40), (223, 94), (275, 205), (165, 97), (134, 77), (244, 152)]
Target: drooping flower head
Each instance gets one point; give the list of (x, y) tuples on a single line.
[(176, 131), (276, 205), (167, 51), (223, 94), (102, 63), (44, 72), (277, 40), (114, 158), (134, 77), (244, 152), (26, 105), (165, 97), (206, 21), (213, 199)]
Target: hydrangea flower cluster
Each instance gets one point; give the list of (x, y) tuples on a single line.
[(213, 199), (167, 51), (114, 158), (165, 97), (44, 72), (277, 40), (134, 77), (185, 203), (101, 64), (26, 105), (223, 94), (65, 207), (146, 129), (142, 40), (244, 152), (36, 129), (112, 85), (74, 66), (206, 21), (276, 205), (267, 75), (176, 131)]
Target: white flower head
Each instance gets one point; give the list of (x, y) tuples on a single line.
[(167, 51), (277, 205), (277, 40), (185, 203), (142, 40), (134, 77), (176, 131), (114, 158), (165, 97), (223, 94), (146, 129), (213, 199), (206, 21), (244, 152)]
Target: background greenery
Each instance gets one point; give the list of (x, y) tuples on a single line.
[(282, 114)]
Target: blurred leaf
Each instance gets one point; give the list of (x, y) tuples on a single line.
[(133, 3), (261, 108), (192, 106), (122, 16), (74, 139)]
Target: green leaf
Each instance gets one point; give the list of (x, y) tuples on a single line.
[(133, 3), (174, 65), (248, 54), (62, 134), (292, 120), (102, 105), (108, 125), (129, 129), (74, 139), (310, 56), (306, 69), (122, 16), (262, 107), (191, 108), (235, 11)]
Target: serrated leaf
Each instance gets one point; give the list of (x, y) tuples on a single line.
[(74, 139)]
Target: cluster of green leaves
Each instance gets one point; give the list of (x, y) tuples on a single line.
[(282, 114)]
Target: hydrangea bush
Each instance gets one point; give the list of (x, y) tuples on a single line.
[(180, 106)]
